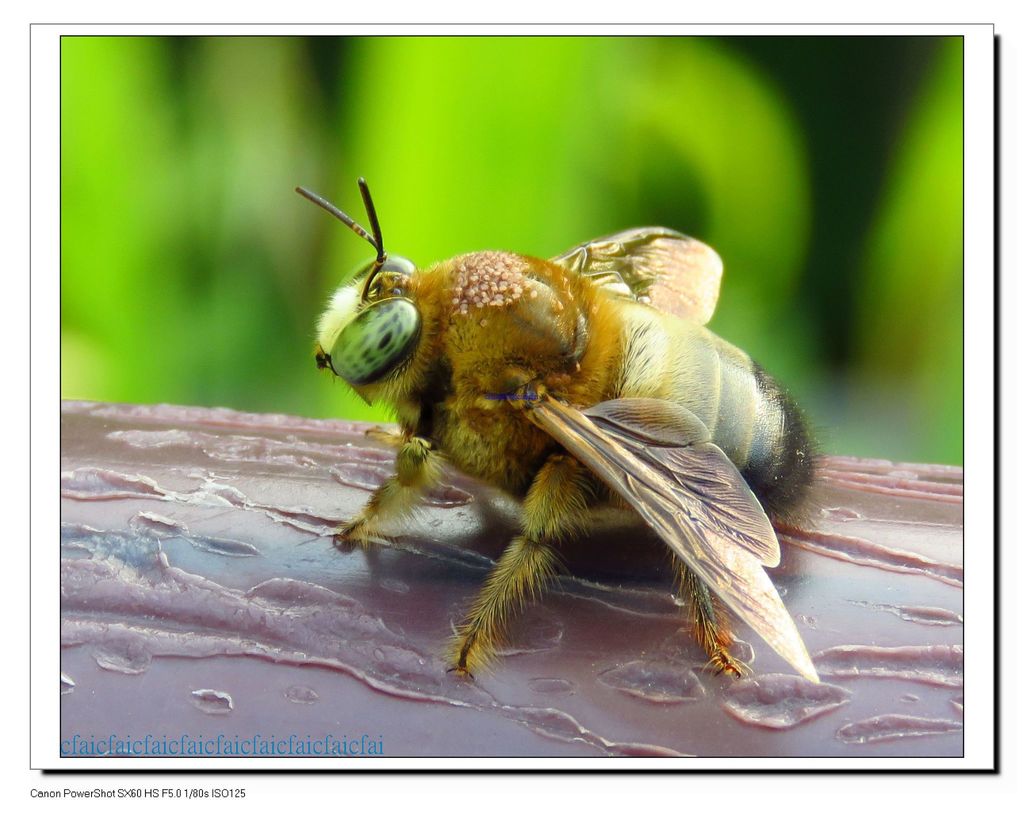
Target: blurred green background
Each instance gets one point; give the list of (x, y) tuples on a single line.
[(827, 172)]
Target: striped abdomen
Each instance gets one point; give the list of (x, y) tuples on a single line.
[(750, 417)]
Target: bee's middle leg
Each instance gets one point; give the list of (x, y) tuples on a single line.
[(417, 468), (710, 627), (555, 507)]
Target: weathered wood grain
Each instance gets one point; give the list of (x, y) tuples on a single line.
[(201, 595)]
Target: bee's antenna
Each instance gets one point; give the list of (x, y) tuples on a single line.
[(348, 221), (371, 213)]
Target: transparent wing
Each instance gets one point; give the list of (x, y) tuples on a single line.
[(657, 456), (675, 273)]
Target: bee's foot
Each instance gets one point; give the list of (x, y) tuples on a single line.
[(461, 672), (351, 536), (721, 663)]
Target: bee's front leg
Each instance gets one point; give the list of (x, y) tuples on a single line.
[(555, 507), (417, 468)]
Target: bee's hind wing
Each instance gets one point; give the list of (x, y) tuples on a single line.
[(675, 273), (659, 458)]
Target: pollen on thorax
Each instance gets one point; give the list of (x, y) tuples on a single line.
[(489, 279)]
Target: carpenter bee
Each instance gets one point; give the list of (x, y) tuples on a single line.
[(585, 379)]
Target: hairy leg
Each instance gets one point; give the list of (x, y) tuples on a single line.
[(417, 468), (555, 507), (710, 627)]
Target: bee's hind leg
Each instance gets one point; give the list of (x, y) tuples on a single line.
[(710, 627), (555, 507)]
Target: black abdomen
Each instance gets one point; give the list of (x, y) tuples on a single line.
[(781, 475)]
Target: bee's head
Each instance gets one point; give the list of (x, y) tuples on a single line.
[(371, 326)]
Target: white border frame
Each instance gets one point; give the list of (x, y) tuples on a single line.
[(979, 408)]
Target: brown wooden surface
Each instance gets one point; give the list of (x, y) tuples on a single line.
[(201, 595)]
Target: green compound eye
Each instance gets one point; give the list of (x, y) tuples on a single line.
[(378, 339)]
